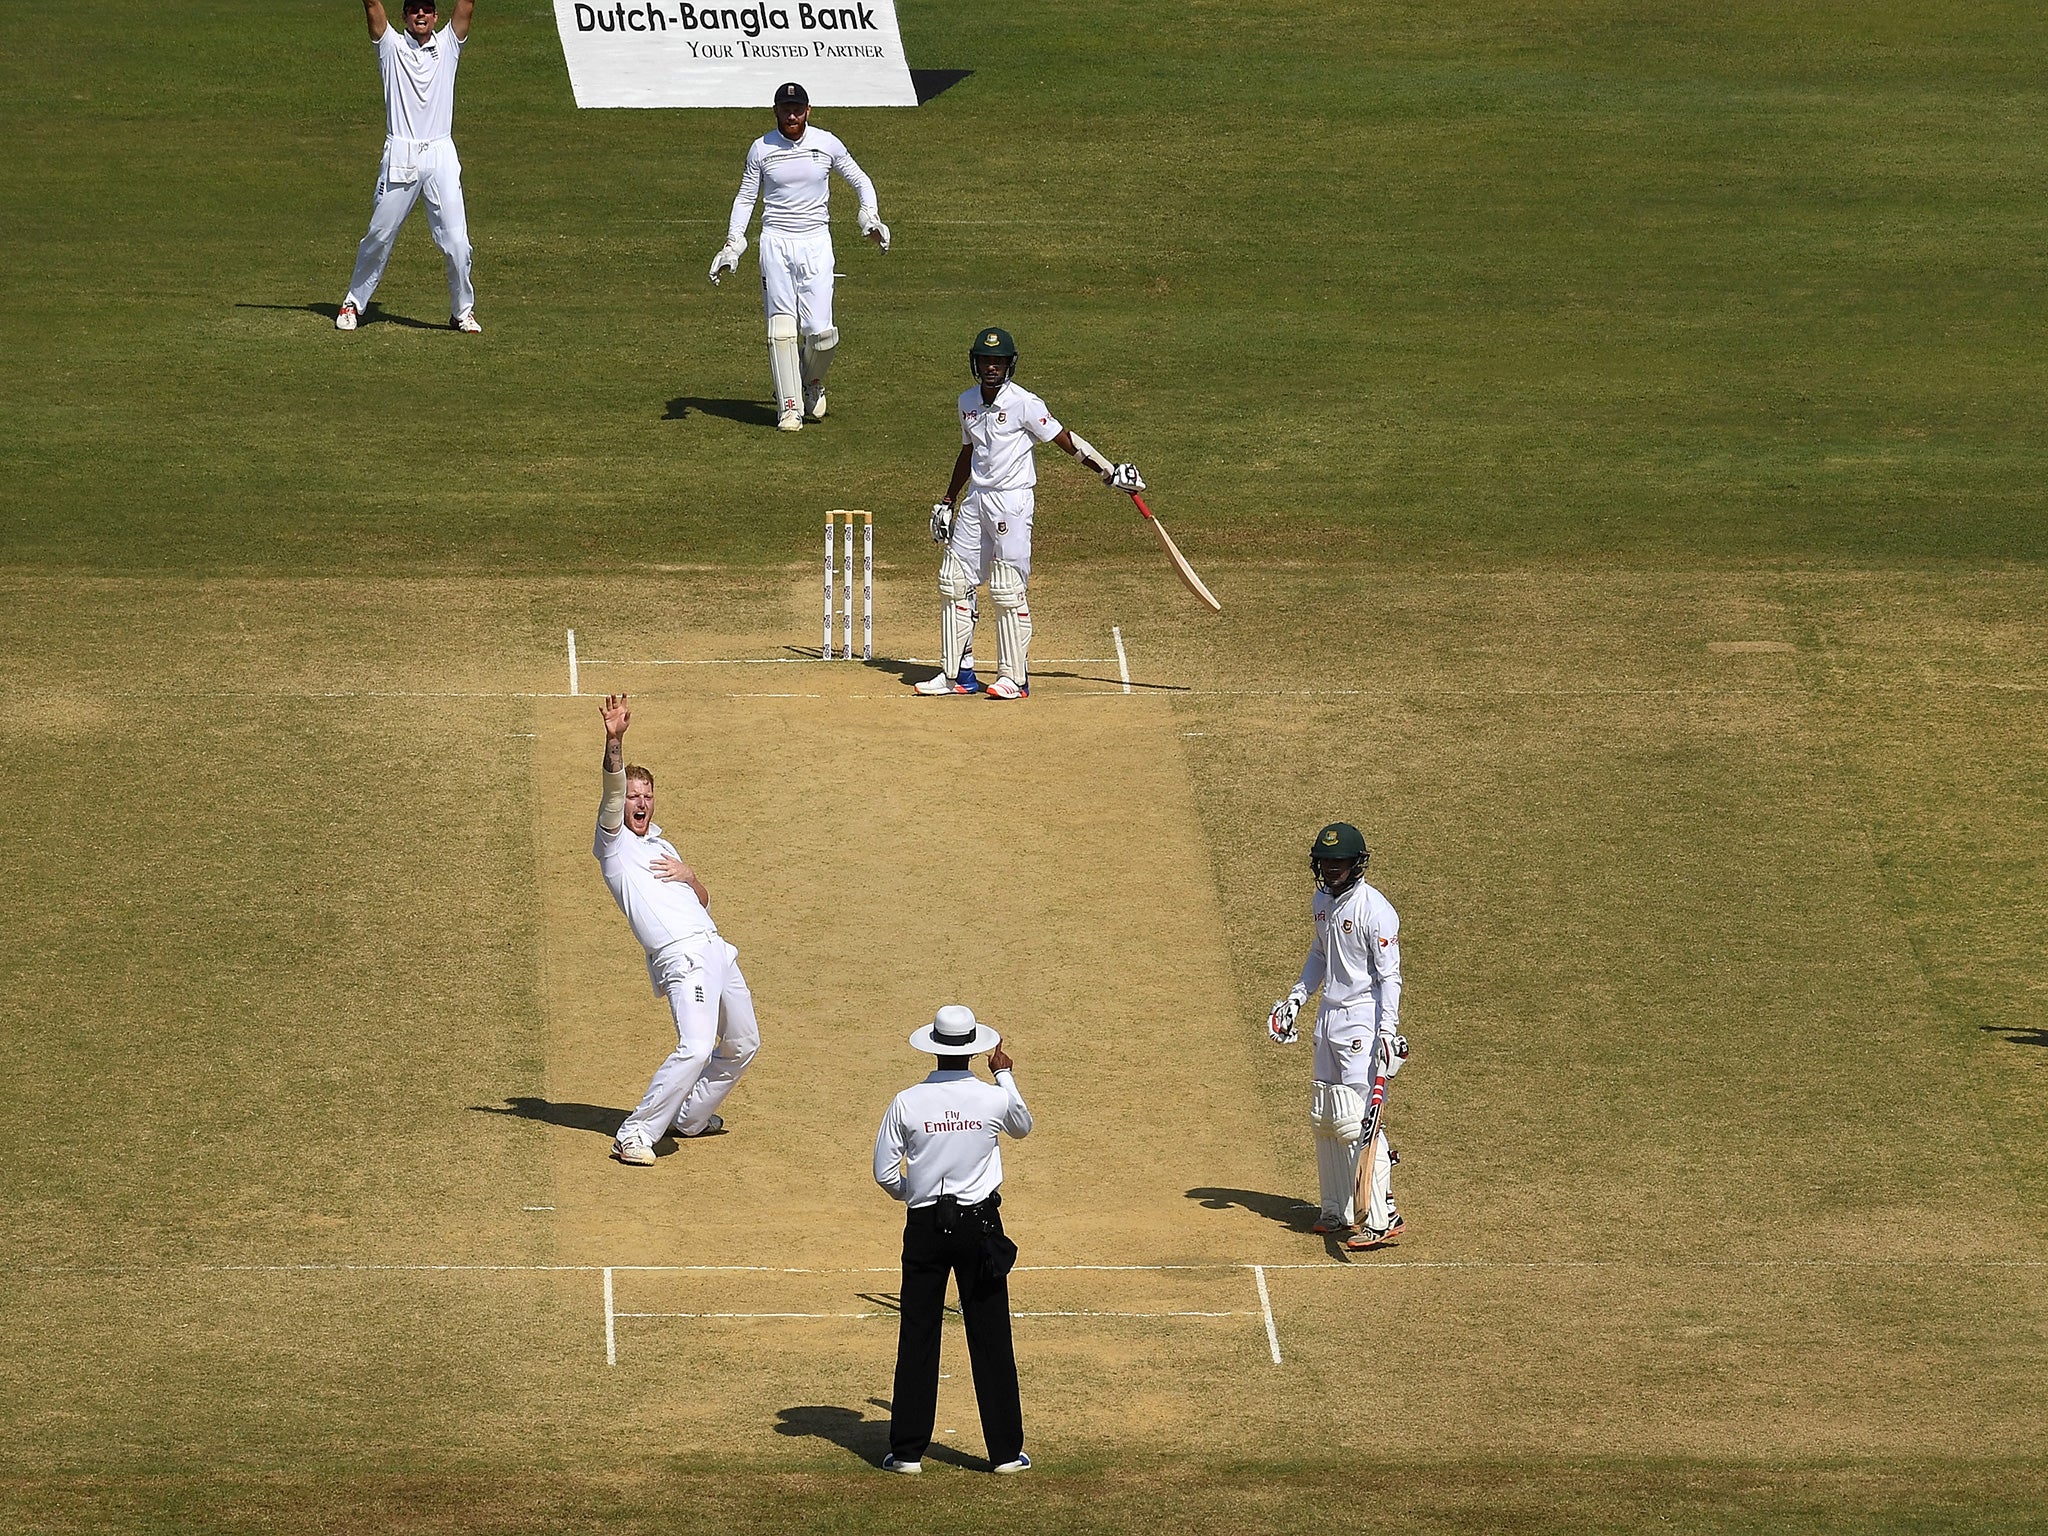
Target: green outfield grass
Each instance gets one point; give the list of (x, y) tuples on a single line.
[(1615, 434)]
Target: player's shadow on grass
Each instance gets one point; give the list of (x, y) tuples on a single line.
[(1295, 1215), (2017, 1034), (852, 1430), (748, 413), (599, 1119), (376, 314)]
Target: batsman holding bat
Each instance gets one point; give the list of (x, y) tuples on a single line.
[(989, 535), (1355, 958)]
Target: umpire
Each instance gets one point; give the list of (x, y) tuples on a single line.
[(936, 1152)]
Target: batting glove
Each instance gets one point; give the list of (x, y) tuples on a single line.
[(942, 521), (1280, 1022), (727, 260), (1396, 1051), (1125, 478)]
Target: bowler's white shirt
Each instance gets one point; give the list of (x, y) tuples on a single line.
[(1356, 954), (797, 181), (419, 83), (1002, 432), (662, 912), (939, 1137)]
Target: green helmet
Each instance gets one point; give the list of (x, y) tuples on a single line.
[(993, 341), (1338, 857)]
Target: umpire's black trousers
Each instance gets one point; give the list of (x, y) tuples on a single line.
[(966, 1241)]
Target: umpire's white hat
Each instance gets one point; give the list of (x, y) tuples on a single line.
[(954, 1031)]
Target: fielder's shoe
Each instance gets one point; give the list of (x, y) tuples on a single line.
[(348, 319), (466, 321), (942, 686), (637, 1153), (814, 404), (711, 1128), (1373, 1237), (1021, 1464), (891, 1464), (790, 421), (1003, 688)]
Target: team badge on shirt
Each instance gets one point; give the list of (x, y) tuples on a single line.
[(1347, 925)]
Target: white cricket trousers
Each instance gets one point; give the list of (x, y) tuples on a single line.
[(435, 175), (1346, 1052), (716, 1038), (796, 278), (993, 525)]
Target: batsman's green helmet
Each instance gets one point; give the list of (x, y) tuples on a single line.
[(1339, 840), (992, 341)]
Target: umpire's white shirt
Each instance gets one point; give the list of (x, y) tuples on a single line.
[(797, 182), (1001, 434), (939, 1137), (1356, 958), (419, 83), (663, 913)]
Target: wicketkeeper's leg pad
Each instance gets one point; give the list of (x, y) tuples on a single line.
[(784, 366), (1013, 622), (818, 350)]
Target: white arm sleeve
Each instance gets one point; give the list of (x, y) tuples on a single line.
[(1315, 967), (889, 1153), (857, 179), (1016, 1117), (611, 810), (1386, 970), (743, 205)]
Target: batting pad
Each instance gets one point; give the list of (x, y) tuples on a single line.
[(1337, 1115)]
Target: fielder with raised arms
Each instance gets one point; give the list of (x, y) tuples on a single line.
[(1355, 958), (791, 167), (418, 65), (691, 966), (1001, 424)]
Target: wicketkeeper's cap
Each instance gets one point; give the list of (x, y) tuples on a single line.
[(954, 1031), (792, 95)]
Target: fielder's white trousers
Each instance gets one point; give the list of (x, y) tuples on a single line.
[(1346, 1041), (716, 1038), (993, 525), (796, 278), (412, 170)]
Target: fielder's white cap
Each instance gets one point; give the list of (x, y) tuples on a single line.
[(954, 1031)]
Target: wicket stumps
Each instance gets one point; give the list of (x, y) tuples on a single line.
[(867, 582)]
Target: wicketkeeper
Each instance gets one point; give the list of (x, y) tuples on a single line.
[(989, 535), (1355, 958)]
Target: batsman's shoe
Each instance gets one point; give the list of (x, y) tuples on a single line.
[(1003, 688), (1326, 1224), (1373, 1237), (814, 404), (711, 1128), (891, 1464), (466, 321), (636, 1153), (790, 421), (942, 686), (1021, 1464), (348, 319), (967, 678)]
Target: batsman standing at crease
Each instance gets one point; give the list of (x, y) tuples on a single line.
[(694, 969), (792, 166), (1001, 424), (418, 65), (1355, 957), (936, 1152)]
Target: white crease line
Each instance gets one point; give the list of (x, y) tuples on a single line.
[(1266, 1306), (1123, 667), (836, 1316), (572, 663), (611, 1336), (784, 661), (891, 1269)]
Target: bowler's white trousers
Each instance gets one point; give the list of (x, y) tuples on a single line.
[(1347, 1052), (413, 169), (713, 1008)]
